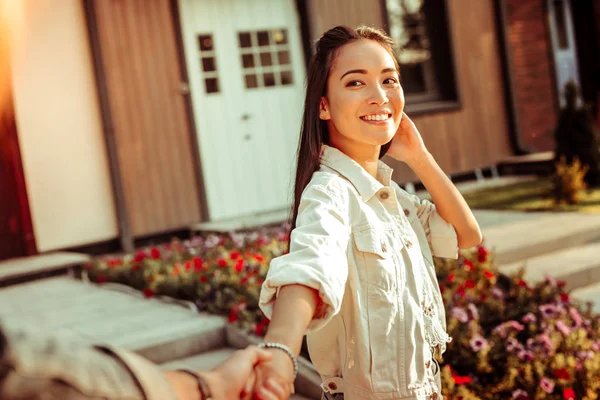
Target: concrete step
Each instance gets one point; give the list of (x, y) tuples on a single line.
[(19, 270), (534, 236), (589, 293), (209, 360), (579, 266)]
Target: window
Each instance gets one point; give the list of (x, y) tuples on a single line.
[(208, 62), (420, 30), (265, 58)]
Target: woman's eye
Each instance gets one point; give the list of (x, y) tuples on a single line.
[(391, 81), (354, 84)]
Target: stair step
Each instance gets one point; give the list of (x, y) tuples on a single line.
[(578, 266), (549, 233), (23, 269), (589, 293), (207, 361)]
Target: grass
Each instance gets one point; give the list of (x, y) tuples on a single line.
[(529, 196)]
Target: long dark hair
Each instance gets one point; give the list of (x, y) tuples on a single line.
[(314, 132)]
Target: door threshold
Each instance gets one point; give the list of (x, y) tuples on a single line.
[(244, 222)]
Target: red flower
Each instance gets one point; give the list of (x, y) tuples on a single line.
[(483, 297), (462, 380), (140, 256), (482, 254), (522, 283), (222, 262), (461, 291), (155, 253), (101, 279), (561, 284), (136, 267), (198, 264), (259, 258), (470, 284), (148, 292), (562, 373), (239, 265), (233, 316), (451, 278), (488, 274), (260, 327), (469, 265), (204, 279), (234, 255), (564, 297), (188, 265), (442, 289), (568, 394), (245, 279), (115, 262)]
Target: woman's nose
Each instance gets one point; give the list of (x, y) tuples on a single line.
[(378, 96)]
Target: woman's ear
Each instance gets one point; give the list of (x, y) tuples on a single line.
[(324, 109)]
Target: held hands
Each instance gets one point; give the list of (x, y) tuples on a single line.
[(407, 145), (274, 378)]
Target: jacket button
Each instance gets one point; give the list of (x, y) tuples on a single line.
[(434, 396), (384, 196), (406, 212), (332, 386)]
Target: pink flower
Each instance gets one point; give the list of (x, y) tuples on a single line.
[(520, 394), (563, 328), (515, 325), (473, 310), (545, 340), (460, 314), (548, 310), (576, 317), (513, 344), (547, 385), (525, 355), (529, 318), (596, 346), (478, 343), (497, 293)]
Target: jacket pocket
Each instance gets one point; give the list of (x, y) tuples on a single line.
[(374, 255)]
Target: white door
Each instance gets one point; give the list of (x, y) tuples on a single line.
[(246, 71), (563, 44)]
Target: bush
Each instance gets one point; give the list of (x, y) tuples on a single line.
[(577, 135), (568, 183), (510, 339)]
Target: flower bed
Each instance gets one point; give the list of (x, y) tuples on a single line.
[(511, 339)]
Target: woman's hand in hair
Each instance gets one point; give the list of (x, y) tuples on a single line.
[(407, 145)]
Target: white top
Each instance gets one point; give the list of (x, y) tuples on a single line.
[(366, 245)]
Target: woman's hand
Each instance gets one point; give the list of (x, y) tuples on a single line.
[(407, 145), (274, 378)]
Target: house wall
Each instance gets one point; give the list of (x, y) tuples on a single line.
[(155, 148), (59, 128), (477, 134), (530, 48)]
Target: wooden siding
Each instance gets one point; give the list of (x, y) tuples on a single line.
[(155, 147), (476, 135)]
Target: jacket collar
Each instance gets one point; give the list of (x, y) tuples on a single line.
[(366, 185)]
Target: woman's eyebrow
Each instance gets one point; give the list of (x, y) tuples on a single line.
[(364, 71)]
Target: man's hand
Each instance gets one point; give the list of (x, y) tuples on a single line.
[(274, 378)]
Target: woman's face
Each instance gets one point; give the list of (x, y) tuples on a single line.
[(364, 100)]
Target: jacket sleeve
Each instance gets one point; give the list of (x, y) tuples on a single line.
[(318, 254), (36, 365)]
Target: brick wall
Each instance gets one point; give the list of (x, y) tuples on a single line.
[(533, 72)]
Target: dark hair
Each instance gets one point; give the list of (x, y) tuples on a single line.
[(314, 132)]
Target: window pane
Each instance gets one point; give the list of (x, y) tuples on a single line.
[(286, 78), (269, 79), (280, 36), (245, 40), (248, 60), (265, 59), (205, 42), (284, 57), (251, 81), (212, 85), (263, 38), (208, 64), (413, 78)]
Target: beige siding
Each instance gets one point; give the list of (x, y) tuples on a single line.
[(155, 147), (475, 135), (60, 130)]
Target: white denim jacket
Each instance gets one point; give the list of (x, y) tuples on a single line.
[(366, 245)]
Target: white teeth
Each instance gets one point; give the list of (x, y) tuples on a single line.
[(376, 117)]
